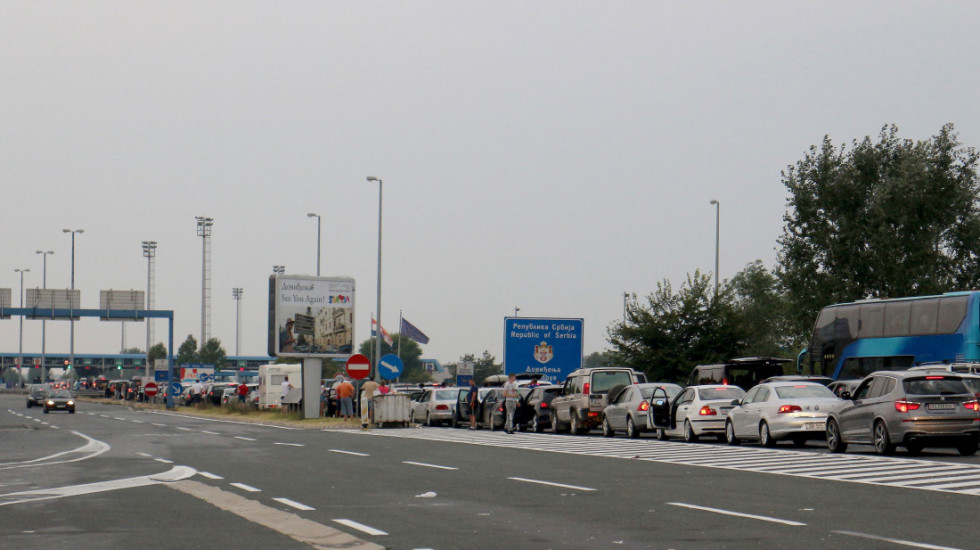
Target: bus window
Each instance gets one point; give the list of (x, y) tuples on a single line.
[(872, 318), (897, 319), (925, 313), (952, 310), (847, 317)]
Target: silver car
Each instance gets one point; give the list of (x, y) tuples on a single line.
[(914, 409), (628, 410), (695, 412), (781, 410), (435, 406)]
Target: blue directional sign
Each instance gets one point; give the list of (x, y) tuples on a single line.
[(205, 377), (550, 347), (390, 367), (176, 389)]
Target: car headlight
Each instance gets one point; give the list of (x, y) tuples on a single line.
[(50, 402), (71, 402)]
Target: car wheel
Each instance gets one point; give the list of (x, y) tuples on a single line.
[(631, 430), (730, 437), (71, 411), (454, 423), (573, 427), (606, 428), (46, 411), (765, 436), (689, 435), (969, 448), (834, 442), (662, 434), (29, 404), (555, 426), (882, 441), (411, 418)]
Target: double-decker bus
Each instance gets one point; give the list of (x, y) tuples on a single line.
[(852, 340)]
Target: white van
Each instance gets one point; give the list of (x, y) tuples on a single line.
[(270, 382)]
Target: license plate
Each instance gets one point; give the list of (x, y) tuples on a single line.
[(941, 406), (595, 402), (814, 426), (724, 410)]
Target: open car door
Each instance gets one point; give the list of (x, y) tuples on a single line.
[(660, 408)]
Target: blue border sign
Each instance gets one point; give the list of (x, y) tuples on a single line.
[(551, 347)]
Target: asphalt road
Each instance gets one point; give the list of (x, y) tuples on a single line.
[(112, 477)]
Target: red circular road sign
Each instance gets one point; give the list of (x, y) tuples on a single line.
[(150, 389), (358, 366)]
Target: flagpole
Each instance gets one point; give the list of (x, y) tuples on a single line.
[(400, 334), (377, 334)]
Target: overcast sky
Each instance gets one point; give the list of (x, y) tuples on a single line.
[(543, 155)]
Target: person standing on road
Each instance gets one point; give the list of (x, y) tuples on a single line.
[(345, 393), (367, 402), (286, 386), (196, 390), (242, 392), (471, 399), (510, 401)]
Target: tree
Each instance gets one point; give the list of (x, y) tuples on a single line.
[(598, 359), (411, 355), (212, 353), (763, 313), (133, 351), (673, 332), (158, 351), (882, 219), (187, 352)]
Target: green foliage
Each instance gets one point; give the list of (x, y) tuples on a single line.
[(763, 313), (411, 355), (157, 351), (133, 350), (599, 359), (187, 352), (212, 353), (882, 219), (672, 332)]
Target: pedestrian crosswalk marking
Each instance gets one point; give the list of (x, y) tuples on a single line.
[(906, 473)]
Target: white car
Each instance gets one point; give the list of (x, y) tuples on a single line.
[(697, 411), (781, 410), (435, 406)]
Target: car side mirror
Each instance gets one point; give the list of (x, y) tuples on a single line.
[(845, 395), (736, 402)]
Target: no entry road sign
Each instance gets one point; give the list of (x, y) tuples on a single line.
[(150, 389), (358, 366)]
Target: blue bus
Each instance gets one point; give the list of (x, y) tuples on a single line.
[(852, 340)]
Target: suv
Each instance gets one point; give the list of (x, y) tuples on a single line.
[(579, 404), (744, 373), (914, 409)]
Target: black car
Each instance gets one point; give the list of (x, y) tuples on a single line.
[(539, 401), (493, 413), (59, 400), (35, 397)]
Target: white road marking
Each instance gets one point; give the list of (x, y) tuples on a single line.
[(293, 503), (90, 414), (159, 425), (205, 419), (117, 418), (895, 541), (562, 485), (736, 514), (147, 455), (185, 429), (290, 444), (209, 433), (209, 475), (355, 453), (176, 473), (428, 465), (136, 421), (36, 419), (360, 527), (164, 460), (245, 438), (91, 449), (104, 416), (244, 487)]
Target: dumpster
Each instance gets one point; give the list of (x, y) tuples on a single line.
[(392, 409)]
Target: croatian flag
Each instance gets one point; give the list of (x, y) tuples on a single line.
[(384, 333)]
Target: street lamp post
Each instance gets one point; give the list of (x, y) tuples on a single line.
[(317, 216), (717, 239), (236, 293), (516, 311), (20, 345), (278, 269), (149, 252), (204, 225), (377, 337), (71, 304), (44, 281)]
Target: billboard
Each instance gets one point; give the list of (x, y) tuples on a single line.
[(551, 347), (311, 316)]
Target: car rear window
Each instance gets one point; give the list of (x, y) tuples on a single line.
[(731, 392), (447, 395), (935, 385), (603, 381), (803, 391), (973, 384)]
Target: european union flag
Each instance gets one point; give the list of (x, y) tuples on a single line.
[(409, 330)]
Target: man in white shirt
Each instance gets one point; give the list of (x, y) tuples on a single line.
[(196, 390), (286, 386), (510, 401)]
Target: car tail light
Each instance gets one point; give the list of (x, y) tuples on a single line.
[(972, 405), (442, 407), (906, 406), (586, 388), (935, 377), (708, 411), (593, 414), (644, 406), (544, 405), (724, 381), (789, 409)]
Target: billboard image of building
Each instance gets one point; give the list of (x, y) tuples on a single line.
[(311, 316)]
